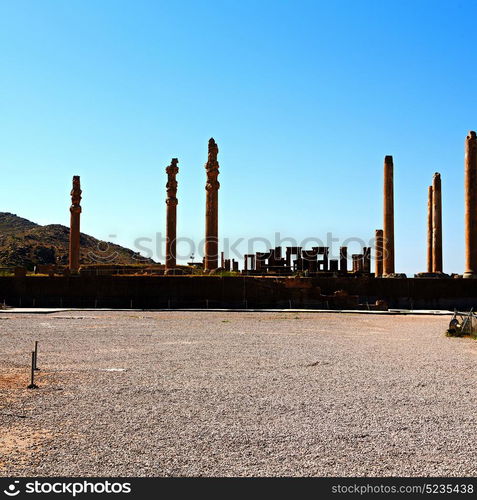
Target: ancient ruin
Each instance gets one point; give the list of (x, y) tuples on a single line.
[(430, 223), (212, 209), (313, 262), (321, 264), (75, 211), (470, 205), (171, 215), (436, 224), (378, 253), (388, 222)]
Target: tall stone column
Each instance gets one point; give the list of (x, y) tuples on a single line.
[(470, 197), (378, 271), (388, 223), (430, 266), (436, 224), (75, 211), (212, 209), (171, 214)]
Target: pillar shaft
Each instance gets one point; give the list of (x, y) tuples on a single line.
[(388, 223), (171, 214), (378, 271), (212, 209), (430, 267), (75, 213), (470, 199), (436, 224), (367, 259), (344, 259)]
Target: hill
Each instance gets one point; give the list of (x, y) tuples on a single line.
[(26, 244)]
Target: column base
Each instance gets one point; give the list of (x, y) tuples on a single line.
[(470, 274), (173, 271), (431, 275), (217, 270)]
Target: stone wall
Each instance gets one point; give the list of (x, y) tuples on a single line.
[(234, 292)]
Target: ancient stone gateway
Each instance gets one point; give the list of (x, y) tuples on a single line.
[(75, 213)]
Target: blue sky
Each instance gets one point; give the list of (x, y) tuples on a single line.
[(305, 98)]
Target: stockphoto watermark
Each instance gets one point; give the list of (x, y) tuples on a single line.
[(191, 250), (66, 488)]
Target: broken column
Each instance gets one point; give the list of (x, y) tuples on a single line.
[(436, 224), (388, 224), (171, 217), (212, 208), (75, 211), (249, 259), (470, 197), (430, 266), (378, 266), (358, 262)]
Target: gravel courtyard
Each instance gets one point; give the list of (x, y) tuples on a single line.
[(236, 394)]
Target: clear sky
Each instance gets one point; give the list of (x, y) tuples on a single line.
[(304, 98)]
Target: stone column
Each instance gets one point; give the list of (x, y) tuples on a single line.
[(388, 224), (75, 211), (171, 214), (212, 209), (344, 259), (436, 224), (378, 271), (470, 197), (367, 259), (354, 260), (430, 266)]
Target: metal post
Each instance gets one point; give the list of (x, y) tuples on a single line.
[(32, 380), (36, 356)]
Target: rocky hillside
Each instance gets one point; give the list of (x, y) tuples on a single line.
[(24, 243)]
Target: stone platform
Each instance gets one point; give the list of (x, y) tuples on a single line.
[(244, 292)]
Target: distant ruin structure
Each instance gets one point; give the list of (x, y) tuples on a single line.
[(388, 223), (310, 262), (212, 209), (319, 261), (171, 215), (75, 213), (470, 204)]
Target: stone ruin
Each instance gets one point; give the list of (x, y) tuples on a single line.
[(312, 262)]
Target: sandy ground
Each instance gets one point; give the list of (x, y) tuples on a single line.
[(236, 394)]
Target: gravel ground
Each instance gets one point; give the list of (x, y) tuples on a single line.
[(236, 394)]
